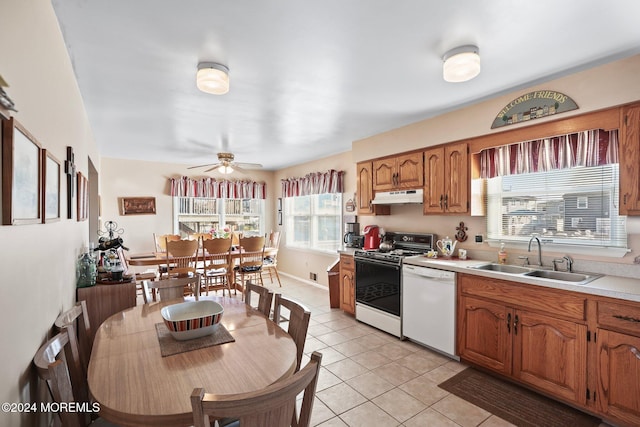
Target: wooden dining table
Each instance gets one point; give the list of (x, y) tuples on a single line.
[(136, 386), (158, 258)]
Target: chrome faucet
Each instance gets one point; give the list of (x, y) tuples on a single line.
[(569, 263), (539, 249)]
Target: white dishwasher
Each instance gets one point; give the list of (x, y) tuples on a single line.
[(429, 307)]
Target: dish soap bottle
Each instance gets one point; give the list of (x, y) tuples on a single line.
[(502, 255)]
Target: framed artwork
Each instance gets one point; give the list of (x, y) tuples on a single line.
[(50, 187), (137, 205), (21, 175), (82, 207), (279, 217), (279, 204)]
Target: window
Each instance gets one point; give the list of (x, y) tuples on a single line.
[(201, 214), (313, 221), (574, 206)]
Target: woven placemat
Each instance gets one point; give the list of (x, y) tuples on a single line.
[(170, 346)]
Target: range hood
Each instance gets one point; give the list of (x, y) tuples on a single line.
[(398, 197)]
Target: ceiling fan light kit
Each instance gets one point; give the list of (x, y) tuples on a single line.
[(212, 78), (461, 64)]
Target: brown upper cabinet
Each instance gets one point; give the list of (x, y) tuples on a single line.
[(630, 160), (400, 172), (364, 172), (446, 179)]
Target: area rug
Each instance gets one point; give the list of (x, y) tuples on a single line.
[(513, 403), (170, 346)]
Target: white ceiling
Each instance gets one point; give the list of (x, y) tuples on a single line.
[(309, 77)]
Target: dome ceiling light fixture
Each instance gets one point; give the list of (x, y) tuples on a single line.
[(213, 78), (461, 64)]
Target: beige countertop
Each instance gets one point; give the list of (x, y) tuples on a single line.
[(347, 251), (608, 286)]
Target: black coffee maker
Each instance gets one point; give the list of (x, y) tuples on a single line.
[(352, 231)]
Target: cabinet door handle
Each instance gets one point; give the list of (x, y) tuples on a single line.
[(627, 318), (508, 323), (441, 201), (515, 325), (446, 201)]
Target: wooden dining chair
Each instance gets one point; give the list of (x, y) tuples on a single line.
[(182, 257), (217, 264), (172, 288), (270, 264), (160, 240), (273, 406), (299, 317), (76, 322), (57, 363), (251, 259), (265, 297)]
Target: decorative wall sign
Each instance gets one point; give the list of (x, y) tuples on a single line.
[(137, 205), (50, 187), (21, 179), (83, 198), (534, 105)]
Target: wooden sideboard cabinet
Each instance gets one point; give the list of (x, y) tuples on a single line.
[(104, 301), (347, 284)]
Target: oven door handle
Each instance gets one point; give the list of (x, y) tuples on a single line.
[(378, 262)]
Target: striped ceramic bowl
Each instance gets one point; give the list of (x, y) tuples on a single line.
[(192, 319)]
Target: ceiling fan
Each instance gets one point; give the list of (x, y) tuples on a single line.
[(226, 165)]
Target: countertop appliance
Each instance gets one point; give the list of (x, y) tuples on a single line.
[(429, 308), (379, 280), (352, 230), (371, 237)]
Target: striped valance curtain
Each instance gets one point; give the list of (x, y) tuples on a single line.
[(589, 148), (217, 189), (314, 183)]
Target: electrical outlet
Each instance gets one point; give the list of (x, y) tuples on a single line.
[(313, 276), (478, 238), (636, 260)]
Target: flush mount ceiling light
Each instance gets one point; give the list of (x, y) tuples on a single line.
[(213, 78), (461, 64)]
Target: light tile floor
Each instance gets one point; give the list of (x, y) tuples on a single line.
[(370, 378)]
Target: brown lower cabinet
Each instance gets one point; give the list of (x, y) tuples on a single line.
[(540, 337), (347, 284)]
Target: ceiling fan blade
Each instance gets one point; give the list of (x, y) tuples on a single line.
[(201, 166), (247, 165), (213, 167)]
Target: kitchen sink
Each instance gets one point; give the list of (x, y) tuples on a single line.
[(563, 276), (559, 276), (503, 268)]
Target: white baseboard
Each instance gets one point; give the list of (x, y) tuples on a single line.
[(307, 281)]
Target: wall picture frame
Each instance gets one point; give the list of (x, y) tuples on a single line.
[(82, 206), (137, 205), (21, 175), (51, 168)]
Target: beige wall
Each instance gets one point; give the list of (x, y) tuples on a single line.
[(38, 261), (133, 178), (299, 262)]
